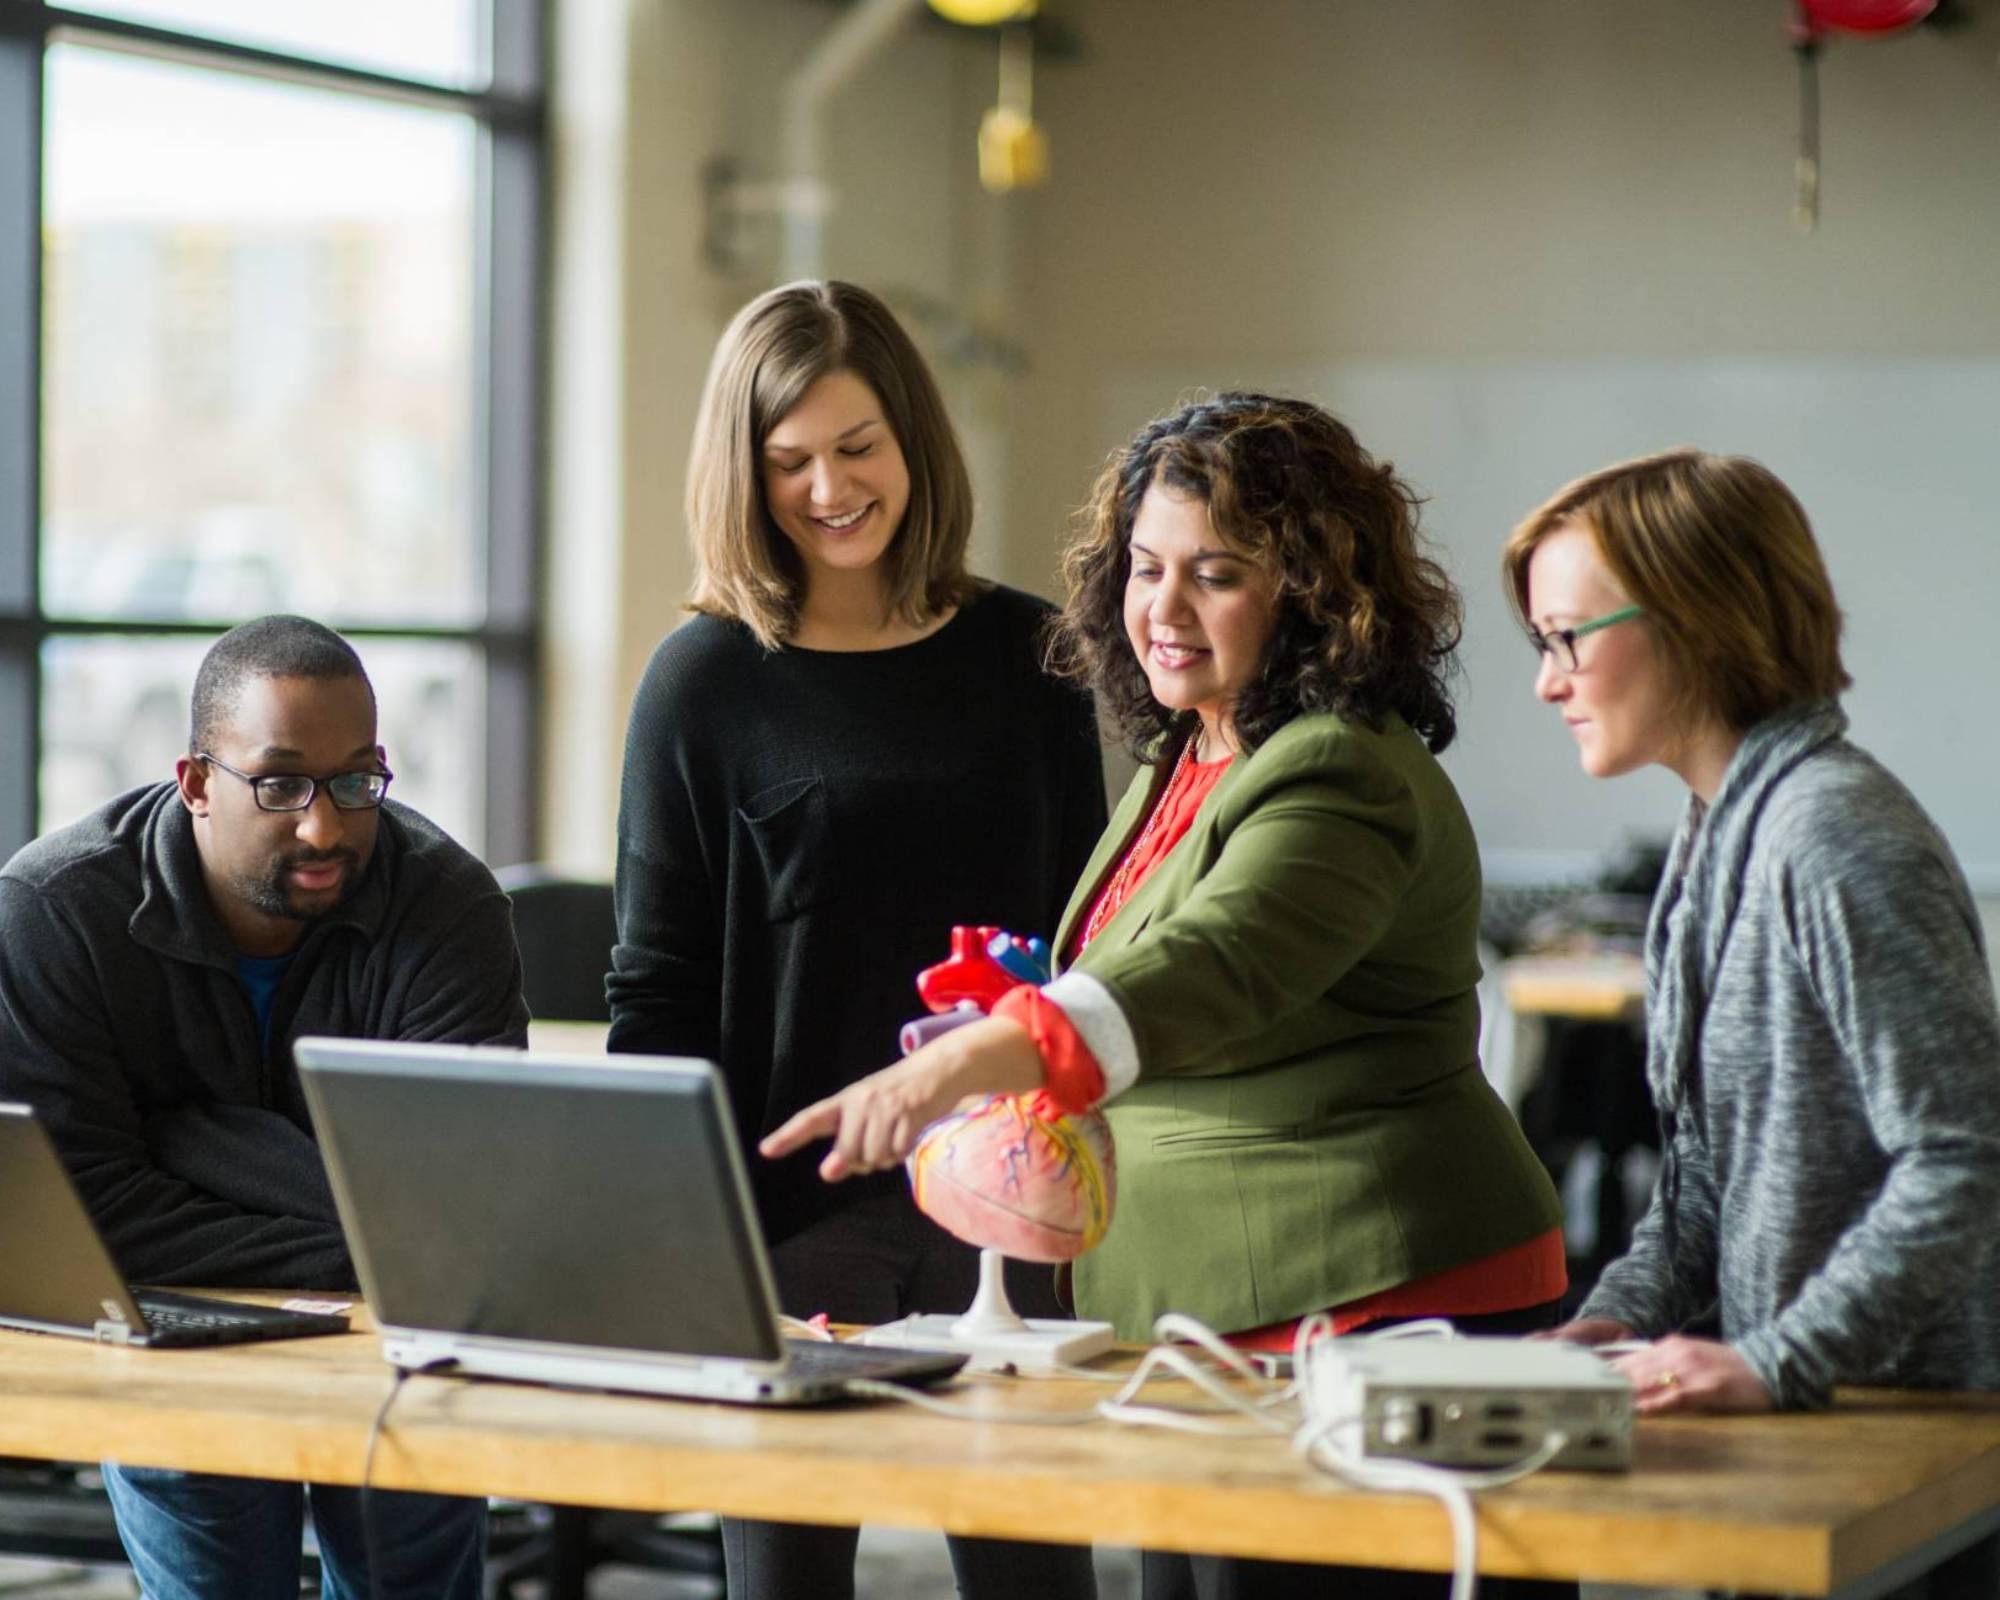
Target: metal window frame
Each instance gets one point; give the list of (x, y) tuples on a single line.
[(510, 262), (513, 277)]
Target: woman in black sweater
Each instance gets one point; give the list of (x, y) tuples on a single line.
[(852, 746)]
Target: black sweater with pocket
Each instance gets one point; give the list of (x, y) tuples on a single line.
[(799, 830)]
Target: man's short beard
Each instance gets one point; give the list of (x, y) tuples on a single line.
[(273, 897)]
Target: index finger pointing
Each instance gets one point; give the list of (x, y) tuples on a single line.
[(819, 1121)]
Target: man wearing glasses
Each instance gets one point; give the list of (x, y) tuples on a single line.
[(157, 958)]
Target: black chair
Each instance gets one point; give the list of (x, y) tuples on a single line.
[(565, 927), (56, 1511)]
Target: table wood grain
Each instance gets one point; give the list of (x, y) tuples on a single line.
[(1793, 1504)]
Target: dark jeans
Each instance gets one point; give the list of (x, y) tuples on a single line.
[(196, 1536), (1167, 1575), (875, 1262)]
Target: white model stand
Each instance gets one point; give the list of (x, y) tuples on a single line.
[(993, 1335)]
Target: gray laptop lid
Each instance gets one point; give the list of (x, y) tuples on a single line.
[(55, 1272), (467, 1176)]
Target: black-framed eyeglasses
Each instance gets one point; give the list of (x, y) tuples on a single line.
[(1561, 642), (294, 791)]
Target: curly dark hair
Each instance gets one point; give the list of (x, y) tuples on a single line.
[(1367, 622)]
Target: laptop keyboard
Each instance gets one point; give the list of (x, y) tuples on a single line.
[(816, 1358), (191, 1319), (813, 1358), (164, 1319)]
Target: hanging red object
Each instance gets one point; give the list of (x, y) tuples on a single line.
[(1811, 23), (1863, 16)]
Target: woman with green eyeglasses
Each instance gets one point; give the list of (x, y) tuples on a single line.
[(1821, 1033)]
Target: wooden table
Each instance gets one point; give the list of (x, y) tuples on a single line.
[(575, 1038), (1840, 1503), (1602, 988)]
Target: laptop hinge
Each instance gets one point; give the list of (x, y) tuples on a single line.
[(111, 1328)]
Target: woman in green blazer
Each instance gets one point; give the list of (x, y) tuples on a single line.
[(1269, 964)]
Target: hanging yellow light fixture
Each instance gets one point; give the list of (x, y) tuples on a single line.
[(1013, 152), (984, 13)]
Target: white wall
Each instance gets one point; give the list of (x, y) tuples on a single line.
[(1453, 215), (1296, 192)]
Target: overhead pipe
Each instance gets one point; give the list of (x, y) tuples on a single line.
[(842, 51)]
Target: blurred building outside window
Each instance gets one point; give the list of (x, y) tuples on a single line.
[(263, 375)]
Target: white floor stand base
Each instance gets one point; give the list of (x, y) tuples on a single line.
[(993, 1335)]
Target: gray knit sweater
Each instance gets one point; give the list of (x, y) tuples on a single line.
[(1823, 1043)]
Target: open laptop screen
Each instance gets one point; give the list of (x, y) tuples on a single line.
[(466, 1178), (54, 1268)]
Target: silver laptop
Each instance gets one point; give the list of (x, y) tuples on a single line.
[(56, 1276), (568, 1219)]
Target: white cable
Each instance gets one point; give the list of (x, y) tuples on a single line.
[(1185, 1419), (1163, 1360), (1333, 1444), (1096, 1375), (1422, 1328), (1087, 1374), (1330, 1443), (1196, 1419), (875, 1389), (1257, 1410)]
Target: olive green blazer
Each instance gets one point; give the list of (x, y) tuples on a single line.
[(1310, 1123)]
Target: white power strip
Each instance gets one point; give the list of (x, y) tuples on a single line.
[(1472, 1402)]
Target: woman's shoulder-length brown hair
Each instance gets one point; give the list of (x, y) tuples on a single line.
[(1719, 555), (1366, 623), (774, 350)]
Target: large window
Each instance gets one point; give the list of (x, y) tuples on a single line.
[(269, 301)]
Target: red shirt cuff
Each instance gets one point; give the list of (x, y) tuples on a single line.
[(1071, 1077)]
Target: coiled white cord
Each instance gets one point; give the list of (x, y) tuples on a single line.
[(1257, 1406)]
